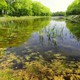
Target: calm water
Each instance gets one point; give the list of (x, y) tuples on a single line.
[(40, 35)]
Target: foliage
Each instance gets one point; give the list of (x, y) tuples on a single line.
[(23, 8), (20, 8), (3, 7), (59, 14), (74, 8), (39, 9)]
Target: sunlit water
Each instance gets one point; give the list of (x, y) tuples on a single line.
[(41, 35)]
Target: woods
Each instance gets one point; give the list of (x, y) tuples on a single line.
[(34, 8), (74, 8), (23, 8), (59, 13)]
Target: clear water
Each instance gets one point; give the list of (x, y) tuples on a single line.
[(40, 35)]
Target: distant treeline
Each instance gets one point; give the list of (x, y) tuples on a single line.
[(59, 13), (74, 8), (23, 8)]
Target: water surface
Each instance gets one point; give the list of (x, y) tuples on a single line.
[(40, 36), (39, 49)]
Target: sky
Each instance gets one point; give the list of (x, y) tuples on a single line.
[(56, 5)]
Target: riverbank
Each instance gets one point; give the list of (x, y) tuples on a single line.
[(8, 18), (73, 18)]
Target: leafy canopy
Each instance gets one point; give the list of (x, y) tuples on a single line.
[(23, 8), (74, 8)]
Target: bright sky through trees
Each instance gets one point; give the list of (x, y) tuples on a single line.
[(56, 5)]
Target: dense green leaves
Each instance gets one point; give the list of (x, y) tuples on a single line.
[(59, 13), (74, 8), (36, 8), (19, 7), (39, 9), (23, 8), (3, 6)]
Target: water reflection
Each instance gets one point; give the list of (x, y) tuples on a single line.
[(57, 38), (34, 43), (74, 29), (15, 33), (41, 35)]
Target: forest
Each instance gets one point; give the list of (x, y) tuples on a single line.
[(74, 8), (34, 8), (61, 13), (23, 8)]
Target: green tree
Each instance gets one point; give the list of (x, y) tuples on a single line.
[(59, 13), (3, 7), (74, 8), (23, 8), (39, 9), (36, 8), (20, 8), (45, 11)]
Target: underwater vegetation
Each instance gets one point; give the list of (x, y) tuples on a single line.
[(35, 62), (35, 66)]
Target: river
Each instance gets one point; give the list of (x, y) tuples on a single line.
[(41, 35), (39, 49)]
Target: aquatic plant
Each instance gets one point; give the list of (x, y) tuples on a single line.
[(15, 67)]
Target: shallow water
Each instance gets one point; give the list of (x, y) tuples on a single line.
[(41, 35), (39, 49)]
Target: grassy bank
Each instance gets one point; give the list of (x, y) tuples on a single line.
[(74, 18), (8, 18)]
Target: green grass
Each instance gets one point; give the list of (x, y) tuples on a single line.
[(8, 18)]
